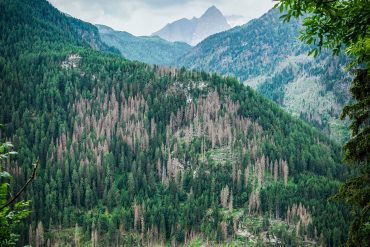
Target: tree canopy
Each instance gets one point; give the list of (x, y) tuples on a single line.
[(11, 214), (345, 25)]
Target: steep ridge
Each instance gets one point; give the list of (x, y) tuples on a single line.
[(152, 50), (195, 30), (267, 55), (133, 154)]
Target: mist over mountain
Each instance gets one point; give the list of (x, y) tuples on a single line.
[(196, 29)]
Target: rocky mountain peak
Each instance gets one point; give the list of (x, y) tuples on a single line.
[(197, 29), (212, 11)]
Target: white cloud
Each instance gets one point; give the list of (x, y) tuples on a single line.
[(143, 17)]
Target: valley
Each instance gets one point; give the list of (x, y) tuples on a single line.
[(134, 152)]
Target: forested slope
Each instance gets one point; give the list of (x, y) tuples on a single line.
[(266, 54), (135, 154)]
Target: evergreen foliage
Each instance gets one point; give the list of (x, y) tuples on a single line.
[(337, 25)]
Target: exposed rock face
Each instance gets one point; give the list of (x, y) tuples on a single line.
[(195, 30)]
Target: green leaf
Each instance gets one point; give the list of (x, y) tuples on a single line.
[(309, 40)]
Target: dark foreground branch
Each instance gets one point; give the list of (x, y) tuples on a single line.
[(12, 200)]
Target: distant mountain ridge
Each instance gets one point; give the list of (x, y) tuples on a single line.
[(195, 30), (148, 49)]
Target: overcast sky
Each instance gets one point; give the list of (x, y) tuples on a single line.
[(143, 17)]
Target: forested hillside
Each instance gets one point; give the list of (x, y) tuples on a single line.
[(134, 154), (267, 55), (147, 49)]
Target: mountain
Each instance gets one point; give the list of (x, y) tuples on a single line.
[(152, 50), (195, 30), (139, 155), (267, 55)]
